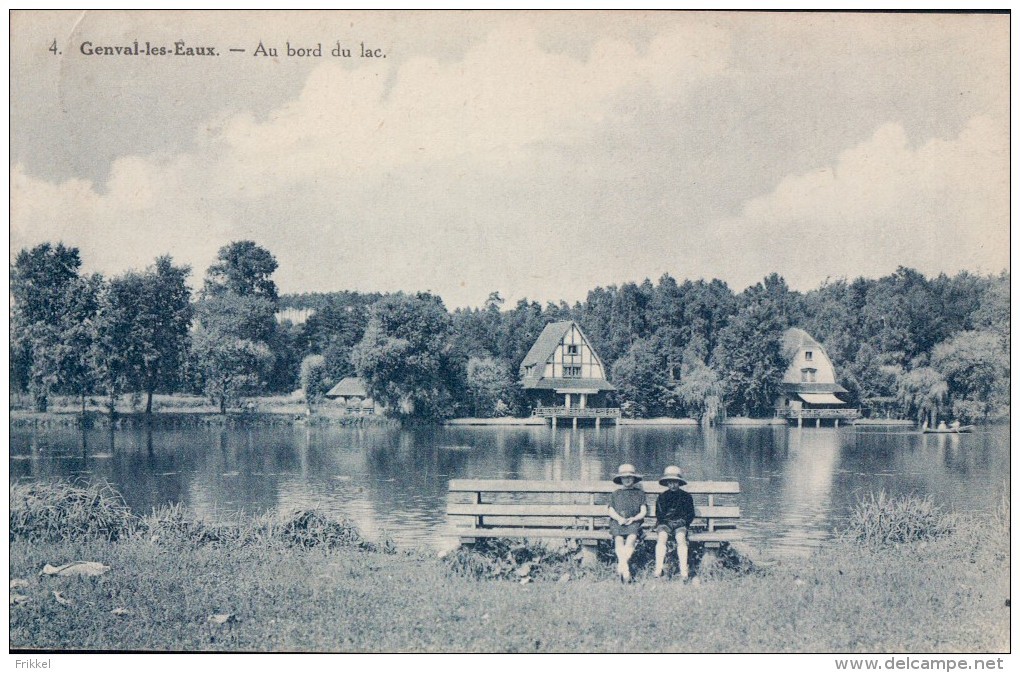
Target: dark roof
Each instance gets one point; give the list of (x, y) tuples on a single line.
[(566, 384), (546, 343), (352, 386), (813, 388)]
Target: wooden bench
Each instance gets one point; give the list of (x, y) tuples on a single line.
[(497, 508)]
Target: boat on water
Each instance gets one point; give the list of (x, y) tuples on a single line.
[(949, 430)]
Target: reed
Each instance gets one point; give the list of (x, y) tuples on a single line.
[(882, 520)]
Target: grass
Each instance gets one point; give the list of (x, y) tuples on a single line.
[(299, 582)]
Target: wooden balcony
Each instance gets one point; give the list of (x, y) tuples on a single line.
[(819, 414), (576, 412)]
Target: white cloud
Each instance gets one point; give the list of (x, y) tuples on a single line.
[(522, 169), (941, 206), (387, 168)]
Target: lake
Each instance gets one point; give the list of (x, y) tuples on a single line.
[(797, 484)]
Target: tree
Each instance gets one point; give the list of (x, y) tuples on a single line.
[(750, 360), (699, 390), (232, 344), (145, 324), (993, 311), (314, 380), (76, 349), (640, 378), (335, 328), (406, 359), (493, 390), (922, 391), (902, 316), (236, 323), (976, 371), (242, 268), (42, 283)]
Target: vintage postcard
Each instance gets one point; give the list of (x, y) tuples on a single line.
[(506, 332)]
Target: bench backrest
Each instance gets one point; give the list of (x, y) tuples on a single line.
[(507, 503)]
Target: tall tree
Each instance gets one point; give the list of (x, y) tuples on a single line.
[(750, 360), (976, 370), (406, 358), (493, 390), (640, 378), (145, 325), (44, 281), (242, 268), (77, 349), (236, 323), (335, 328)]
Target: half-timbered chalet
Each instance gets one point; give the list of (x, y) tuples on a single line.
[(564, 376)]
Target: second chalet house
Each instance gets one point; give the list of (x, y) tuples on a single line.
[(810, 390), (564, 377)]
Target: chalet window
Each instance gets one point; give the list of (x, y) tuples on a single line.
[(808, 355), (571, 349), (807, 375), (570, 372)]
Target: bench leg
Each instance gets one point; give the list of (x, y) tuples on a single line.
[(588, 555)]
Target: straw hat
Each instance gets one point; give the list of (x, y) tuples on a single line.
[(626, 470), (671, 473)]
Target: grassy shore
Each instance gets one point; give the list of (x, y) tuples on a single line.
[(170, 411), (301, 583)]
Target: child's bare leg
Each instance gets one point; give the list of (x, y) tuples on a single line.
[(681, 551), (628, 551), (621, 555), (660, 552)]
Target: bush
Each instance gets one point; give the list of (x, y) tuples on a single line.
[(303, 529), (60, 510), (517, 559), (881, 520), (63, 511)]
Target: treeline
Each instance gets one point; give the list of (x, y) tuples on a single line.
[(924, 346)]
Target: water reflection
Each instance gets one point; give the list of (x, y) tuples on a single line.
[(797, 484)]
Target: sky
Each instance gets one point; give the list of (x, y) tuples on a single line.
[(535, 154)]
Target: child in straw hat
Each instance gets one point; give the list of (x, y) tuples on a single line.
[(674, 511), (627, 510)]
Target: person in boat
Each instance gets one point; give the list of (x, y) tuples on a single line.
[(942, 425), (627, 511), (674, 511), (955, 425)]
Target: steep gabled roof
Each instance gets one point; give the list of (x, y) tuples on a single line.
[(794, 338), (546, 343), (352, 386)]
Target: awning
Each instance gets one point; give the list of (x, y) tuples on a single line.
[(820, 398)]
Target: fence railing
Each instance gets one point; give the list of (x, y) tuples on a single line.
[(843, 414), (576, 412)]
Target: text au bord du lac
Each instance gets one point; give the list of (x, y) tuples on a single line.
[(182, 48)]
